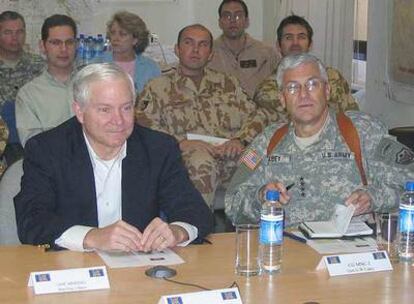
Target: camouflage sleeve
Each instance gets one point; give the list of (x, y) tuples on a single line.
[(241, 199), (148, 110), (4, 135), (388, 163), (253, 119), (340, 96), (266, 97)]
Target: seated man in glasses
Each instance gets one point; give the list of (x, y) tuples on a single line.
[(45, 102), (236, 53), (294, 36), (345, 158)]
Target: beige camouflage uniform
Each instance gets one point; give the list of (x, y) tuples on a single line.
[(324, 173), (4, 135), (13, 78), (266, 96), (173, 104)]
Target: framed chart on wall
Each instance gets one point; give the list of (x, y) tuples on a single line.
[(400, 62)]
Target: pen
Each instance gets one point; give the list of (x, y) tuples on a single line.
[(288, 187), (294, 237)]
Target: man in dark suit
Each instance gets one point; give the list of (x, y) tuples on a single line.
[(99, 181)]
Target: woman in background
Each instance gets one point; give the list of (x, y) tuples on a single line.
[(129, 38)]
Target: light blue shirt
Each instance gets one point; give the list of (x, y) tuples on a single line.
[(145, 69)]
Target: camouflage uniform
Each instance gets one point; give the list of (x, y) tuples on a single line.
[(266, 96), (173, 104), (4, 135), (325, 173), (13, 78)]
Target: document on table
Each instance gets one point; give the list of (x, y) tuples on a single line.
[(139, 259), (341, 224), (209, 139), (352, 245)]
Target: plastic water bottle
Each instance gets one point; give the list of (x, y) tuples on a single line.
[(406, 224), (271, 233), (99, 49), (80, 52), (89, 50)]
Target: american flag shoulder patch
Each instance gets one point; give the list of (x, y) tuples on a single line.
[(250, 159)]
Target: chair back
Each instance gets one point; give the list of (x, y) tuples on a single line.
[(9, 187), (405, 135)]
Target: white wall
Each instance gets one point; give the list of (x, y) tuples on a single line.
[(165, 18), (378, 99)]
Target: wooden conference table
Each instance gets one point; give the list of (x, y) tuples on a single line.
[(211, 266)]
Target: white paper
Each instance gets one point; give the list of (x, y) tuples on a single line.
[(69, 280), (209, 139), (342, 217), (339, 225), (329, 246), (218, 296), (138, 259)]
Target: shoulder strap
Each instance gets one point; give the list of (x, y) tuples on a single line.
[(351, 137), (348, 132), (276, 138)]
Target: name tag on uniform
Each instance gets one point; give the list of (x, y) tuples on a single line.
[(278, 159), (337, 155), (246, 64)]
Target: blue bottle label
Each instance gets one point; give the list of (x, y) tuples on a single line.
[(406, 219), (271, 231)]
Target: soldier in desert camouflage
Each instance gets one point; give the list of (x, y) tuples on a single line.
[(294, 35), (4, 135), (195, 99), (315, 156)]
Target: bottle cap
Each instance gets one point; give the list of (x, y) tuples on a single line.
[(272, 195), (409, 186)]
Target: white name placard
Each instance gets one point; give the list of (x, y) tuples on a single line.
[(69, 280), (355, 263), (217, 296)]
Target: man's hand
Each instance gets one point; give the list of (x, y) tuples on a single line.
[(361, 200), (284, 197), (190, 145), (159, 235), (230, 148), (118, 236)]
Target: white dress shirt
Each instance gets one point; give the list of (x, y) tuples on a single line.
[(108, 185)]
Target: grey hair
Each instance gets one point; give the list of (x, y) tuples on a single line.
[(98, 72), (293, 61)]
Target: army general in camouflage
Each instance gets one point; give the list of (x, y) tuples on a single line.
[(314, 154), (294, 36), (17, 67), (195, 99), (4, 135)]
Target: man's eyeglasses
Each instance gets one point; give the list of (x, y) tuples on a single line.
[(60, 43), (229, 16), (293, 87)]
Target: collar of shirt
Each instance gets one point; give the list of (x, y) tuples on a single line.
[(304, 142), (108, 185), (95, 158), (66, 84)]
